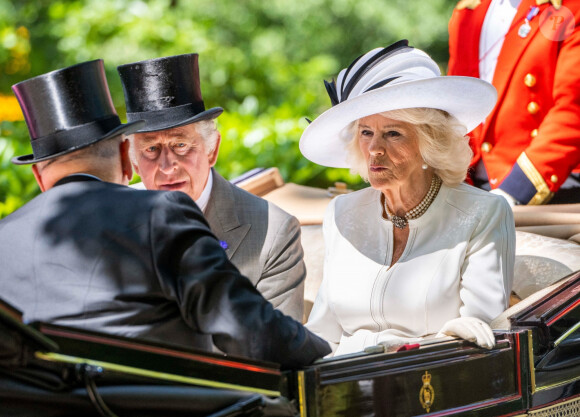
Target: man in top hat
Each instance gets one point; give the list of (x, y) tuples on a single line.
[(90, 252), (177, 149)]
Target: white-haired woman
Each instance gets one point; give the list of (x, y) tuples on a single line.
[(419, 252)]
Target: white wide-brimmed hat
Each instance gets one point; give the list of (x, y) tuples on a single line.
[(391, 78)]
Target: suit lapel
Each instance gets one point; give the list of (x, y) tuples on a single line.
[(222, 215), (511, 51)]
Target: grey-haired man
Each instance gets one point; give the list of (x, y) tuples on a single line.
[(177, 150)]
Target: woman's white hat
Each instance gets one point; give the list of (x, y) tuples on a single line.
[(391, 78)]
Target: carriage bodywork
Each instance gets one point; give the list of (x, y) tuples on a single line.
[(533, 370)]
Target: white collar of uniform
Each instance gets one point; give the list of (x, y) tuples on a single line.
[(497, 22), (204, 197)]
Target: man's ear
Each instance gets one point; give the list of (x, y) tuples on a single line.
[(38, 177), (213, 155), (132, 153), (127, 170)]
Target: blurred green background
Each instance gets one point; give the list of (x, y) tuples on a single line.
[(263, 61)]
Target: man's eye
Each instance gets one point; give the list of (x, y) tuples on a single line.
[(180, 148), (153, 149), (151, 152)]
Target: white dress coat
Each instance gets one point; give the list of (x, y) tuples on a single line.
[(458, 261)]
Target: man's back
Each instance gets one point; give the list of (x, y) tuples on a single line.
[(84, 254), (105, 257)]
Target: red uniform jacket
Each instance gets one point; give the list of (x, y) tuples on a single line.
[(531, 140)]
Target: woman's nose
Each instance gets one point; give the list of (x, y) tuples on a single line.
[(376, 147)]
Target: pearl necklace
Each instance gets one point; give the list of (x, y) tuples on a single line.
[(417, 211)]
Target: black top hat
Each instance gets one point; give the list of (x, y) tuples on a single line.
[(68, 109), (165, 92)]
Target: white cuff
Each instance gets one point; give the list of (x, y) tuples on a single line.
[(511, 201)]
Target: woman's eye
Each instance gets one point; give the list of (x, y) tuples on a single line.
[(392, 134), (366, 132)]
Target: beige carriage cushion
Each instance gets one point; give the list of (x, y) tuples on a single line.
[(550, 214), (548, 208), (541, 261), (560, 231), (308, 204)]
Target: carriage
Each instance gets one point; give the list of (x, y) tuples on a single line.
[(534, 369)]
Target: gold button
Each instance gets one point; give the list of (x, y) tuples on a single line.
[(486, 147), (554, 178), (533, 107), (534, 133), (529, 80)]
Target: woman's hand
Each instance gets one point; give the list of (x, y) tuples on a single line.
[(469, 328)]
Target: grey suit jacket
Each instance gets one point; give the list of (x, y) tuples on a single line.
[(263, 241)]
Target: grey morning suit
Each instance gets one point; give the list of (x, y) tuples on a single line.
[(263, 241)]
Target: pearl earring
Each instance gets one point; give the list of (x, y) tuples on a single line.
[(424, 166)]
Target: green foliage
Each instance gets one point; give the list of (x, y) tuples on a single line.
[(264, 62), (17, 184)]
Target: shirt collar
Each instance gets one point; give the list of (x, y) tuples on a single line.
[(203, 199)]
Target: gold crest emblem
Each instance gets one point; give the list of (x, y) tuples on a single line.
[(427, 393)]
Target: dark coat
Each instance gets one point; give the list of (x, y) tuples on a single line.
[(105, 257)]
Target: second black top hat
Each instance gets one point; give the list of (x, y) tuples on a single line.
[(165, 92)]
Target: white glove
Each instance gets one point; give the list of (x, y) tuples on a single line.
[(511, 201), (469, 328)]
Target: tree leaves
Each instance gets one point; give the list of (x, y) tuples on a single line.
[(264, 62)]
